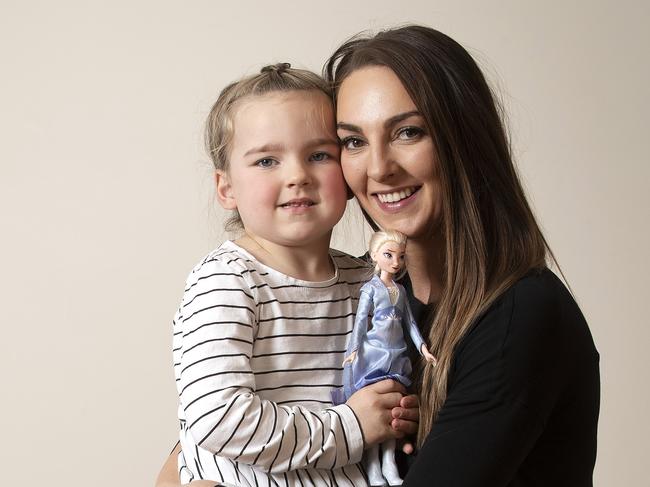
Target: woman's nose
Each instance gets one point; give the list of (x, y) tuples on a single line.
[(381, 165)]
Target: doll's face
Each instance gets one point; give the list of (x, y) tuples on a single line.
[(390, 257)]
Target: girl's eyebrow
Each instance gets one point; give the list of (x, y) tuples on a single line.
[(265, 148), (281, 147), (395, 119)]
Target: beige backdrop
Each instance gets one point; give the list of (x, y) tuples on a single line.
[(106, 203)]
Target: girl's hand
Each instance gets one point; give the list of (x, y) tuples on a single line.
[(427, 355), (405, 419), (350, 358), (373, 405)]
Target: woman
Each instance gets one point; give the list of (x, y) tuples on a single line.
[(514, 398)]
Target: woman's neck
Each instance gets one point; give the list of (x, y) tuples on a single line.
[(425, 264), (309, 262)]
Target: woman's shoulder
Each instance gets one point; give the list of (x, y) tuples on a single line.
[(536, 313)]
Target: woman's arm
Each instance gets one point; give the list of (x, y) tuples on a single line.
[(513, 376)]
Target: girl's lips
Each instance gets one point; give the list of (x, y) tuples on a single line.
[(395, 206), (298, 206)]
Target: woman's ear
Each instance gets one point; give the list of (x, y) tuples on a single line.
[(225, 194)]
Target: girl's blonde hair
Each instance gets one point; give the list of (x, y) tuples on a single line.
[(219, 126), (381, 237)]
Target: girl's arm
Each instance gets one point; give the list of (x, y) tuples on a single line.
[(168, 475), (223, 414)]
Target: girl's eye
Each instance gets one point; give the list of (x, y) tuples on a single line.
[(351, 143), (388, 255), (266, 162), (319, 157), (409, 133), (401, 257)]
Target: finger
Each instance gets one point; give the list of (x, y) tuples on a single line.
[(410, 401), (389, 401), (388, 385), (407, 447), (406, 414), (405, 427)]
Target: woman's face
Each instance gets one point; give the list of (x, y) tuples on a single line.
[(387, 155)]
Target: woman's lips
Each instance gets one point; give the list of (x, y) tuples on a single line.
[(394, 201)]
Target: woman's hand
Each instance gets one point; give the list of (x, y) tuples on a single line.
[(406, 417), (373, 407)]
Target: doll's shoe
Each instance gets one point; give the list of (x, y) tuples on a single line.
[(373, 467), (390, 473)]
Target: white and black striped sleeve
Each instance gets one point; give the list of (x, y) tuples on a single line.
[(218, 392)]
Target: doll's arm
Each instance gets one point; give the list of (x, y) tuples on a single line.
[(414, 333), (360, 323)]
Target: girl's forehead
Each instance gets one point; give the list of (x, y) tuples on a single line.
[(295, 118)]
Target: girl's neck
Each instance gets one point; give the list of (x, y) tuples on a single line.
[(425, 264), (309, 262)]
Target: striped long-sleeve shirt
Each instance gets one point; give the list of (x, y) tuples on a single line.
[(256, 355)]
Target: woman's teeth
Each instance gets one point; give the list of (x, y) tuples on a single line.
[(395, 196)]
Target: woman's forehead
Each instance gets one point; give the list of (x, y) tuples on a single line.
[(371, 94)]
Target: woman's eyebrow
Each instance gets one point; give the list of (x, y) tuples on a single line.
[(349, 127), (395, 119)]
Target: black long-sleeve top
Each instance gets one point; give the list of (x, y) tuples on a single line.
[(523, 397)]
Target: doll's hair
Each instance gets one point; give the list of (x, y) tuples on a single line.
[(219, 126), (383, 236)]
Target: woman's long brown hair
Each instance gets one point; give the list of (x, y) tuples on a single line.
[(490, 233)]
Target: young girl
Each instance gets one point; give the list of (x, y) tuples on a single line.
[(380, 351), (260, 335)]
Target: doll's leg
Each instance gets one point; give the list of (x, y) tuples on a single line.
[(388, 465), (373, 467)]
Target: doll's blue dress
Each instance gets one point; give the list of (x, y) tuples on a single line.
[(382, 349)]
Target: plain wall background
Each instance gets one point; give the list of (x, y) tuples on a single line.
[(106, 200)]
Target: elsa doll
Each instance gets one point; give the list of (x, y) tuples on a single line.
[(380, 352)]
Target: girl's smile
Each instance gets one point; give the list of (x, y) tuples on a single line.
[(284, 176)]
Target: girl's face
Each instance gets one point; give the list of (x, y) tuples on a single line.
[(389, 257), (284, 175), (387, 156)]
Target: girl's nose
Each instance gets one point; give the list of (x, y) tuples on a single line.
[(298, 175)]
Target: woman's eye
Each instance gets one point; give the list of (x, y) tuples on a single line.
[(401, 257), (266, 162), (351, 143), (319, 156), (388, 255), (408, 133)]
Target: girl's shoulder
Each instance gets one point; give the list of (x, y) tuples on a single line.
[(226, 261)]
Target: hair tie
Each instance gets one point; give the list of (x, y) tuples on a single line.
[(276, 68)]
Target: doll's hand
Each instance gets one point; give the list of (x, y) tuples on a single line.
[(427, 355), (405, 419), (372, 406), (350, 358)]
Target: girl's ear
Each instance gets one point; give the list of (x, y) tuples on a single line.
[(225, 194)]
